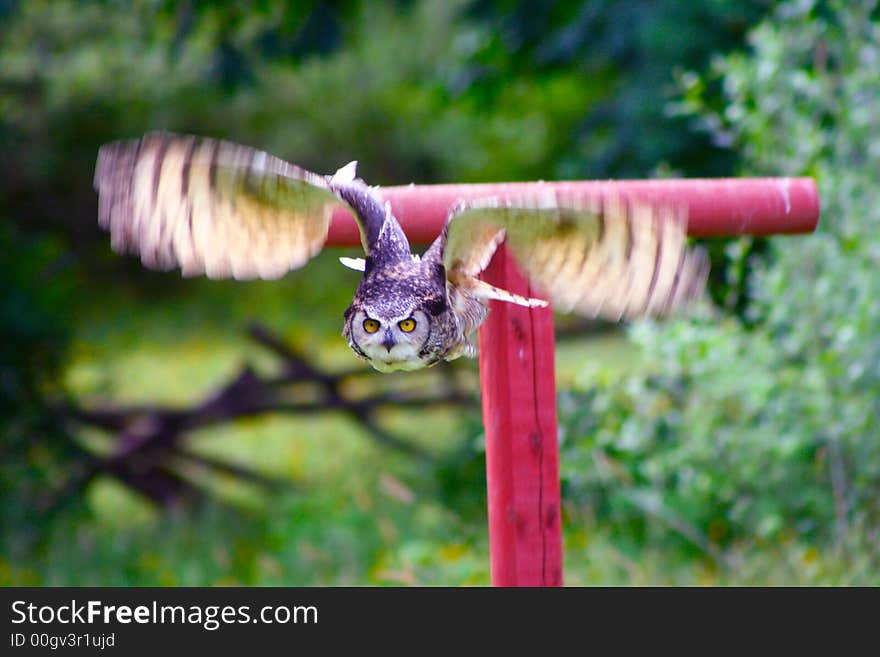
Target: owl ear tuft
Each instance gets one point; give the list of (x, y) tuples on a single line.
[(346, 174), (358, 264)]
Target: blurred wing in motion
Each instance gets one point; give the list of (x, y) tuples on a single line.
[(210, 207), (612, 259)]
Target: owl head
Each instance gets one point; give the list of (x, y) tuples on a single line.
[(394, 316)]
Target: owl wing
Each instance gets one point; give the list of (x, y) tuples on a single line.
[(211, 206), (610, 259)]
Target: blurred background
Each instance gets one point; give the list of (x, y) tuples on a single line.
[(152, 434)]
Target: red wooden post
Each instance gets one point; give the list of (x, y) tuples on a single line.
[(516, 344), (522, 455)]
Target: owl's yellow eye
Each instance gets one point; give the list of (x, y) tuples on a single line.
[(371, 325), (407, 325)]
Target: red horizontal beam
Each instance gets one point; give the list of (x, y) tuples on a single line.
[(716, 206)]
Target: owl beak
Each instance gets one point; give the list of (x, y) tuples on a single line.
[(388, 341)]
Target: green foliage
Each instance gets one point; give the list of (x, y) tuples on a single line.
[(742, 452), (33, 343), (77, 74), (766, 435), (426, 91), (625, 53)]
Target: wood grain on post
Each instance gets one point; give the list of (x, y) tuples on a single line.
[(518, 389)]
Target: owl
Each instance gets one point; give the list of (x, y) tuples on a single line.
[(225, 210)]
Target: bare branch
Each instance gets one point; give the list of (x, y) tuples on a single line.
[(150, 440)]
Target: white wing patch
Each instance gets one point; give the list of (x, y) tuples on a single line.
[(358, 264)]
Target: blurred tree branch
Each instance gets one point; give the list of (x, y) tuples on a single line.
[(150, 440)]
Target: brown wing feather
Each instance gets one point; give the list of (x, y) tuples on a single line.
[(613, 259), (468, 244), (210, 206)]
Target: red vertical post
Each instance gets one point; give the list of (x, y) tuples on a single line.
[(522, 454)]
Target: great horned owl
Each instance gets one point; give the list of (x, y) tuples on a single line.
[(217, 208)]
